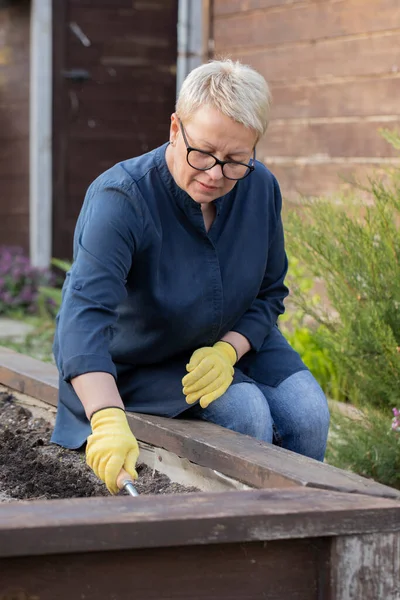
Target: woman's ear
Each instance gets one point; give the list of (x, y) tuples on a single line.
[(174, 129)]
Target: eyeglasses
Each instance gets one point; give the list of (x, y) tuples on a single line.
[(203, 161)]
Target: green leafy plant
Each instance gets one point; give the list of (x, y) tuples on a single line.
[(368, 446), (353, 246), (305, 336)]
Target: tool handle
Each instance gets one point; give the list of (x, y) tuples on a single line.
[(125, 481)]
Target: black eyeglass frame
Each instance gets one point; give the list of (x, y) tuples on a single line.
[(190, 149)]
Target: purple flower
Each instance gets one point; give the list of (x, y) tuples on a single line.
[(26, 295), (19, 280), (396, 420)]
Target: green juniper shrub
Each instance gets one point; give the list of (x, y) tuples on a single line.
[(305, 337), (353, 246), (368, 446)]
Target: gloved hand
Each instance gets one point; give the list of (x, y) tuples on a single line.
[(210, 373), (111, 446)]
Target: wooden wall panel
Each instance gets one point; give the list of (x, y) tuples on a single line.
[(12, 199), (353, 98), (322, 177), (122, 108), (229, 7), (14, 124), (363, 56), (340, 139), (306, 21), (334, 72)]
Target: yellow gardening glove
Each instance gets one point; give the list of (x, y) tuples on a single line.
[(111, 446), (210, 373)]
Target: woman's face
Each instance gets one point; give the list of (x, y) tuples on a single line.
[(209, 130)]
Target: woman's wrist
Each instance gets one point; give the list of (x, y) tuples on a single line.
[(239, 342), (97, 391)]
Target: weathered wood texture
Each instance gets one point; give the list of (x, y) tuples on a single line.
[(14, 124), (366, 566), (127, 51), (223, 572), (334, 72), (241, 457), (121, 523), (252, 544)]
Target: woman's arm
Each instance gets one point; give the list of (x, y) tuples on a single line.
[(97, 391), (106, 239)]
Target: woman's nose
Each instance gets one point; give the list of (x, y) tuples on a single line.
[(215, 172)]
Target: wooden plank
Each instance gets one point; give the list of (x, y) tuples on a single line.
[(225, 572), (97, 122), (15, 232), (14, 25), (118, 523), (340, 57), (14, 122), (338, 98), (319, 178), (86, 95), (122, 52), (137, 76), (154, 5), (223, 8), (304, 22), (14, 81), (327, 139), (254, 463), (150, 24), (102, 4), (29, 376), (16, 190), (366, 566), (14, 158)]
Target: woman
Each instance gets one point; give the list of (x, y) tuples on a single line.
[(171, 304)]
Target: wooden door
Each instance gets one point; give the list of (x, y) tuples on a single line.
[(114, 90)]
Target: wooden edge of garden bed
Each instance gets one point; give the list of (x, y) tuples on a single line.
[(120, 523), (241, 457)]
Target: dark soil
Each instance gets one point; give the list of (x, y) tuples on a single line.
[(32, 468)]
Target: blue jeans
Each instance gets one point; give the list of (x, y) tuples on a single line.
[(295, 412)]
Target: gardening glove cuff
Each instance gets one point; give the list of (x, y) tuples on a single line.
[(228, 350), (111, 446), (210, 373)]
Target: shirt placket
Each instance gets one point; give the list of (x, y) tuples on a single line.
[(215, 296)]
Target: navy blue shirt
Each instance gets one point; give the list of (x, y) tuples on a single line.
[(149, 285)]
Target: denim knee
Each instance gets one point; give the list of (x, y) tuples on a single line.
[(300, 412), (243, 408)]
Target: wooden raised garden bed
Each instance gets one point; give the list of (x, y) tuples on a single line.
[(267, 523)]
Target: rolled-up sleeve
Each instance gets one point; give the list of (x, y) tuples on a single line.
[(262, 315), (106, 239)]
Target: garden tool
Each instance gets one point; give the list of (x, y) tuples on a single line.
[(125, 482)]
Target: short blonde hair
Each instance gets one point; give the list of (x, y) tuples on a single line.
[(235, 89)]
